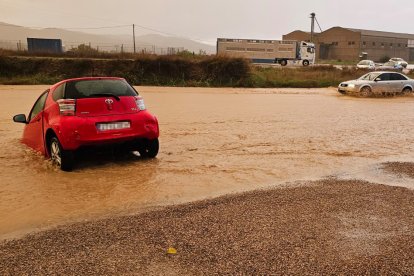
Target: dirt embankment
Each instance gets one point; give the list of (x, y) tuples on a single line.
[(190, 71), (145, 70), (324, 227)]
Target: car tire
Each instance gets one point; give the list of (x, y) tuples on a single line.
[(64, 159), (150, 149), (283, 62), (305, 63), (406, 91), (365, 91)]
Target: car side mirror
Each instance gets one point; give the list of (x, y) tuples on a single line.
[(377, 79), (20, 118)]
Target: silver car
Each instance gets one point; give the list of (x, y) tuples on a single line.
[(366, 64), (378, 83), (399, 61)]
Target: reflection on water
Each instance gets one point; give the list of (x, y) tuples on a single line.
[(213, 141)]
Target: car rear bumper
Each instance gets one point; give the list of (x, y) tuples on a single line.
[(75, 132)]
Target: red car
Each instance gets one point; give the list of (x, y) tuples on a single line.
[(84, 112)]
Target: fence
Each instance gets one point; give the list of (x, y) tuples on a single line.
[(20, 45)]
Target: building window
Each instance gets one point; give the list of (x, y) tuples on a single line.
[(256, 50), (235, 49), (373, 43), (382, 44), (399, 45), (364, 43), (335, 43)]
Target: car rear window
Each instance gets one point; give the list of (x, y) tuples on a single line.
[(88, 88)]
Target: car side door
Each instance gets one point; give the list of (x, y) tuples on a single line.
[(382, 83), (33, 131), (398, 82)]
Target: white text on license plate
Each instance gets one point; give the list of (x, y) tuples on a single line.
[(112, 126)]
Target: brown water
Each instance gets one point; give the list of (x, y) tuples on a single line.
[(213, 141)]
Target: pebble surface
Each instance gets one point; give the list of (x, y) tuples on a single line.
[(325, 227)]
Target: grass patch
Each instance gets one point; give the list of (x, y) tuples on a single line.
[(206, 71)]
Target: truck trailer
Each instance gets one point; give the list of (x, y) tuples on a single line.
[(268, 51)]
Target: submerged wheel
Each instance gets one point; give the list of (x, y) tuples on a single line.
[(305, 62), (283, 62), (61, 158), (407, 90), (150, 149), (365, 91)]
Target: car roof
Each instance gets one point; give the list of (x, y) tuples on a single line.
[(84, 78), (381, 72)]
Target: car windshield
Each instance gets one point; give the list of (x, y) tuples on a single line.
[(364, 62), (389, 63), (369, 76), (100, 87)]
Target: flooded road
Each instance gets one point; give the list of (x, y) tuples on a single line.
[(212, 142)]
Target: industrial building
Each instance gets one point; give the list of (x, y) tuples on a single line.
[(340, 43)]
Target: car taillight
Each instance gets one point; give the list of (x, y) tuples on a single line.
[(140, 103), (67, 107)]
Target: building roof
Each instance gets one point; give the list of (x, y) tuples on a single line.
[(300, 31), (383, 34)]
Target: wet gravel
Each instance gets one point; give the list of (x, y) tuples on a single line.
[(325, 227), (399, 168)]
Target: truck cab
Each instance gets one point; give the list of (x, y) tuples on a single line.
[(307, 53)]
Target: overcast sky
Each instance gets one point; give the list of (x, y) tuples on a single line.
[(207, 20)]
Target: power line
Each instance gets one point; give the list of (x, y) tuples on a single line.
[(107, 27), (66, 28)]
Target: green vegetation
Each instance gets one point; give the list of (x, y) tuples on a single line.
[(302, 77), (186, 69), (145, 70)]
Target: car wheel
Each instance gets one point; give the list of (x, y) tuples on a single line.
[(365, 91), (150, 149), (283, 62), (406, 91), (61, 158), (305, 62)]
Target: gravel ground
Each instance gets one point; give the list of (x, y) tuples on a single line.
[(399, 168), (325, 227)]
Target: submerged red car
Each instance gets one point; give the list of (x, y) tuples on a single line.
[(84, 112)]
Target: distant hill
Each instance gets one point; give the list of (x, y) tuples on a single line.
[(11, 35)]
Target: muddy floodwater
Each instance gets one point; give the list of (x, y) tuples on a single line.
[(212, 142)]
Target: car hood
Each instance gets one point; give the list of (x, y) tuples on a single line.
[(356, 82)]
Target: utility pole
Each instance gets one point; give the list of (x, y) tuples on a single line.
[(133, 34), (312, 26)]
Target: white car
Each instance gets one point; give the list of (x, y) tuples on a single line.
[(378, 83), (366, 64), (399, 61)]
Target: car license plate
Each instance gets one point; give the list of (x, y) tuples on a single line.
[(112, 126)]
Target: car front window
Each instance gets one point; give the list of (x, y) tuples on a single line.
[(38, 106), (369, 76)]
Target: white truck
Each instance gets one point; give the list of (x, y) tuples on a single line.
[(268, 51)]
